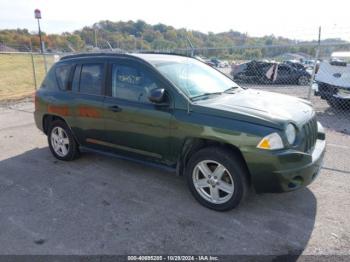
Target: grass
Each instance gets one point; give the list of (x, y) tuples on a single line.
[(16, 74)]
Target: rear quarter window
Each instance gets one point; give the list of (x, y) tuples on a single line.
[(50, 82), (62, 73)]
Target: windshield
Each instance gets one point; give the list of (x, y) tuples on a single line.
[(195, 78)]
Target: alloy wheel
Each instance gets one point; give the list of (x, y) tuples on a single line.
[(303, 81), (60, 141), (213, 181)]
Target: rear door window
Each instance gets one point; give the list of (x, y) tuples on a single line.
[(62, 73), (91, 79)]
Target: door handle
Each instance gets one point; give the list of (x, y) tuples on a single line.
[(114, 108)]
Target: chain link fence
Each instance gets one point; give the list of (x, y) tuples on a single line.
[(21, 73), (319, 73)]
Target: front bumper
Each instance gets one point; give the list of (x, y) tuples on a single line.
[(287, 170), (292, 179), (326, 91)]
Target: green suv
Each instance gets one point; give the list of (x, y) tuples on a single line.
[(177, 112)]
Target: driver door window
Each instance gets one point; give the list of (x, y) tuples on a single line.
[(131, 83), (133, 123)]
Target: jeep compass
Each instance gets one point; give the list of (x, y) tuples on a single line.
[(178, 112)]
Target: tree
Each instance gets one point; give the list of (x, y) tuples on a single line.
[(76, 41), (252, 54), (161, 36)]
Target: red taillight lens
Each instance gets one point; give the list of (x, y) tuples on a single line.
[(36, 101)]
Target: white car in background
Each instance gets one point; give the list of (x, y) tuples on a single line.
[(333, 80), (223, 64)]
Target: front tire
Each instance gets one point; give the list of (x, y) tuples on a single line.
[(61, 141), (217, 178), (303, 81), (337, 103)]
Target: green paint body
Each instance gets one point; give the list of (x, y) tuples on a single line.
[(164, 134)]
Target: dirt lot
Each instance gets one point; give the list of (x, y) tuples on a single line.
[(104, 205)]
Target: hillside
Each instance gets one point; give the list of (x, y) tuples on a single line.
[(142, 36)]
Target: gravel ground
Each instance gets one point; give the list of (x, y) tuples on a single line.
[(104, 205)]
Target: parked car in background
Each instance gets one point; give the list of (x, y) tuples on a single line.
[(333, 83), (224, 64), (217, 62), (309, 63), (205, 60), (210, 63), (251, 72), (257, 72), (296, 65), (199, 58), (179, 113)]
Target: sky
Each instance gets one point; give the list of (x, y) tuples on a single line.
[(295, 19)]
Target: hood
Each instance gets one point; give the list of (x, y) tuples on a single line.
[(334, 75), (253, 105)]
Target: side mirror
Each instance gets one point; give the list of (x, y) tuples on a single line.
[(157, 96)]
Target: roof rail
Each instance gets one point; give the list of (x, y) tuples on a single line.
[(89, 54), (163, 53), (110, 53)]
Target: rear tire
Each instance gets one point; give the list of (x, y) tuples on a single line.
[(217, 178), (61, 141)]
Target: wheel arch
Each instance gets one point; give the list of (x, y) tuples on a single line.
[(49, 118), (192, 145)]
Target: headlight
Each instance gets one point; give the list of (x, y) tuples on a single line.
[(344, 93), (271, 142), (290, 133)]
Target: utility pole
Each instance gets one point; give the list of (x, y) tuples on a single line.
[(141, 43), (316, 59), (95, 37), (135, 42), (33, 66), (191, 45), (37, 14)]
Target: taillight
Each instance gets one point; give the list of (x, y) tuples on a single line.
[(36, 101)]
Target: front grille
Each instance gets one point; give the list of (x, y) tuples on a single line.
[(310, 132)]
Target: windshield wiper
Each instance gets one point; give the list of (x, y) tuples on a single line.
[(230, 89), (215, 93), (205, 94)]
